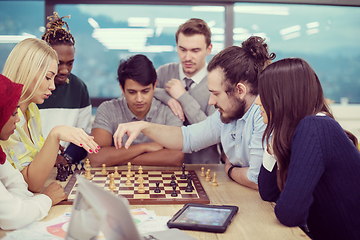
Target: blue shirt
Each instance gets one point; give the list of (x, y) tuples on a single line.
[(240, 139)]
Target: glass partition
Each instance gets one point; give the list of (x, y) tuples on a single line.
[(327, 37), (19, 20), (105, 34)]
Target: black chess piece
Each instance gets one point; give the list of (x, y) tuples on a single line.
[(157, 189), (173, 183), (183, 176), (70, 169), (76, 167), (189, 187), (66, 171), (174, 193), (59, 166), (82, 166), (63, 174), (190, 177)]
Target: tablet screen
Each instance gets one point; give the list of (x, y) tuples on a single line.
[(204, 216)]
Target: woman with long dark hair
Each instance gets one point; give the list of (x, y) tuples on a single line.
[(314, 176)]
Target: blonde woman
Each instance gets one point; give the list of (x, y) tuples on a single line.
[(34, 64)]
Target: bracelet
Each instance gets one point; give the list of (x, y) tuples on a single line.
[(229, 171)]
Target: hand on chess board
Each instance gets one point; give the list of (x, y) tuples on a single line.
[(55, 192), (77, 136), (132, 129), (168, 136)]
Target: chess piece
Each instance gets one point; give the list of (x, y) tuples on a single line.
[(112, 186), (66, 171), (183, 176), (157, 189), (128, 182), (87, 163), (141, 188), (140, 174), (208, 177), (116, 173), (63, 173), (189, 187), (214, 183), (172, 183), (70, 169), (58, 172), (202, 172), (174, 193), (88, 174), (103, 171), (129, 168), (189, 178), (82, 166), (76, 167)]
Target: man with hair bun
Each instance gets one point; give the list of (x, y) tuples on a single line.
[(183, 86), (69, 103), (233, 84)]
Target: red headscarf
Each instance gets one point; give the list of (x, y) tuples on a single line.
[(10, 93)]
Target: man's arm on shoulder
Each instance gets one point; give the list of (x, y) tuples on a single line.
[(192, 108), (109, 154)]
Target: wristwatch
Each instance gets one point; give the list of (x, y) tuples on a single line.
[(68, 158), (229, 171)]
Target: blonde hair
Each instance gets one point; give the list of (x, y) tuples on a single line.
[(29, 60)]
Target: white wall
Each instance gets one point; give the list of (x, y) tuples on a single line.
[(348, 115)]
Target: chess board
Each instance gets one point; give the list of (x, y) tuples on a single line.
[(198, 195)]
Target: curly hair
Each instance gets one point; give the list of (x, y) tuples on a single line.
[(55, 33)]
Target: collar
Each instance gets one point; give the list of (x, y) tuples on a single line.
[(197, 77), (132, 117), (246, 115), (30, 113)]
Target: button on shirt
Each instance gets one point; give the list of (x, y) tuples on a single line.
[(240, 139)]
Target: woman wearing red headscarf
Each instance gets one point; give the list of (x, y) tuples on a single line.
[(18, 206)]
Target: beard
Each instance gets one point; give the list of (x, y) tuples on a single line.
[(236, 112)]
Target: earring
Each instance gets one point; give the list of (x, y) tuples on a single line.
[(67, 81)]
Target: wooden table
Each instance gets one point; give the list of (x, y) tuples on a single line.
[(255, 219)]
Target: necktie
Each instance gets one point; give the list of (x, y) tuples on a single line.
[(188, 83)]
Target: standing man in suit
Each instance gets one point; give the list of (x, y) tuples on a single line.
[(183, 86)]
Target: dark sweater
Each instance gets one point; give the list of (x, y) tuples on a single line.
[(322, 189)]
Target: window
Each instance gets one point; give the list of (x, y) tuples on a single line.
[(327, 37), (19, 20), (105, 34)]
